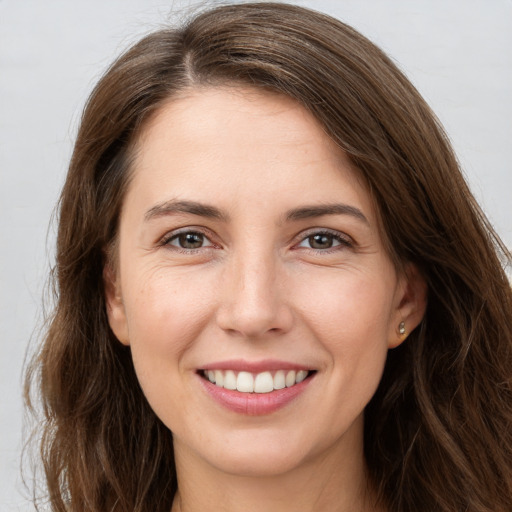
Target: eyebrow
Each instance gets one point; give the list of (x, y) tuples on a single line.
[(307, 212), (173, 207), (192, 207)]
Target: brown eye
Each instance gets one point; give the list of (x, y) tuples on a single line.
[(321, 241), (189, 240), (324, 240)]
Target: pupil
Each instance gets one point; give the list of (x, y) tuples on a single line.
[(191, 240), (320, 241)]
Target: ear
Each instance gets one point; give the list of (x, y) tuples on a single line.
[(411, 303), (115, 307)]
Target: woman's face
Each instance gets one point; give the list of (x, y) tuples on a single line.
[(250, 255)]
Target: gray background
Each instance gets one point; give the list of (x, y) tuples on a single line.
[(457, 52)]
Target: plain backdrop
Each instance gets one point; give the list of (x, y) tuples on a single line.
[(458, 53)]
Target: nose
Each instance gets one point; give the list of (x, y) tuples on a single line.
[(253, 297)]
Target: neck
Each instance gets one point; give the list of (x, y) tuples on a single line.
[(318, 484)]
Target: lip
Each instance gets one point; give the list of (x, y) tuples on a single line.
[(241, 365), (254, 404)]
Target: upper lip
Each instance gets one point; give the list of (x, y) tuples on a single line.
[(241, 365)]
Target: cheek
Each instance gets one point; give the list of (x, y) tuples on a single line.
[(165, 315), (350, 318), (349, 305)]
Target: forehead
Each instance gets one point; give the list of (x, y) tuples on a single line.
[(259, 145), (238, 116)]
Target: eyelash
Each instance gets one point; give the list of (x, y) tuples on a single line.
[(166, 240), (343, 240)]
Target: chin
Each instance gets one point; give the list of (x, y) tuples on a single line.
[(264, 452), (259, 463)]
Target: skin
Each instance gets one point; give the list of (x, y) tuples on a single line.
[(256, 289)]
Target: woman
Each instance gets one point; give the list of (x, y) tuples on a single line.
[(266, 247)]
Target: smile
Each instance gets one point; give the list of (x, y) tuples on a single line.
[(263, 382), (255, 387)]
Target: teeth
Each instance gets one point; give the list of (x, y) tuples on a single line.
[(229, 380), (290, 378), (279, 380), (245, 382), (219, 378), (264, 382), (301, 375)]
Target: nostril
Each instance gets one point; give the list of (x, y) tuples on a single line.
[(254, 321)]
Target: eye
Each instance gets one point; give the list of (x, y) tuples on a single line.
[(188, 240), (324, 241)]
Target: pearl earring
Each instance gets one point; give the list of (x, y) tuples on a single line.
[(401, 328)]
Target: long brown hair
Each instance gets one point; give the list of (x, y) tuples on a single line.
[(438, 432)]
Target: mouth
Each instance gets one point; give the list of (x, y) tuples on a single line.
[(256, 383), (255, 388)]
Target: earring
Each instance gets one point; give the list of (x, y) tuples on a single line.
[(401, 328)]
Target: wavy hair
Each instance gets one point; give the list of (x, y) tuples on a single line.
[(438, 432)]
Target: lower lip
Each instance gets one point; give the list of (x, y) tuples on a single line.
[(254, 404)]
